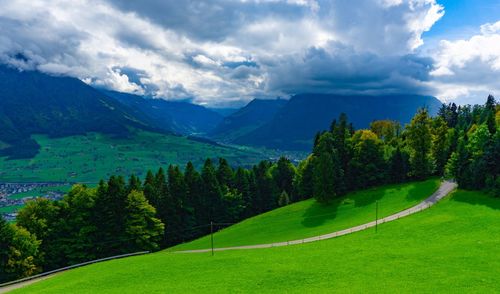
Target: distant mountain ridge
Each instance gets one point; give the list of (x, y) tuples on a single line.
[(176, 116), (32, 102), (248, 118), (293, 127)]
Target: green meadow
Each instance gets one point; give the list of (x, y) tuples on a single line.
[(450, 248), (90, 157)]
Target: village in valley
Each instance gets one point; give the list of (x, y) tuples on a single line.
[(15, 195)]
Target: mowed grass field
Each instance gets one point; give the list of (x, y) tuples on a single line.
[(453, 247), (90, 157), (308, 218)]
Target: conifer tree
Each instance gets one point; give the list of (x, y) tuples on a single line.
[(440, 147), (142, 229), (283, 174), (211, 193)]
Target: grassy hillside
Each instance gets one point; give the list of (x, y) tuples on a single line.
[(308, 218), (91, 157), (451, 247)]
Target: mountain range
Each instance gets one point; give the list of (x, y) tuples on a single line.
[(32, 102), (294, 125), (35, 103), (176, 116)]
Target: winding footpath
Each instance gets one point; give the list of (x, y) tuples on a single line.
[(444, 189)]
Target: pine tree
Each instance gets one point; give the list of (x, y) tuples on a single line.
[(134, 183), (323, 179), (142, 229), (266, 196), (242, 184), (490, 113), (398, 166), (180, 216), (80, 229), (328, 182), (109, 216), (194, 192), (225, 173), (211, 193), (283, 174), (440, 148)]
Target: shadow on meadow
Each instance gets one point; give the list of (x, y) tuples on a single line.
[(317, 214), (475, 198)]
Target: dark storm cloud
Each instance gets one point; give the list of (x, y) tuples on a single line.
[(212, 20), (225, 51)]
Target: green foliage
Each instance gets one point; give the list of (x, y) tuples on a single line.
[(419, 141), (399, 166), (19, 253), (283, 173), (440, 148), (367, 165), (327, 171), (142, 228)]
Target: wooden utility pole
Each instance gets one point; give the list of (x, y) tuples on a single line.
[(212, 236)]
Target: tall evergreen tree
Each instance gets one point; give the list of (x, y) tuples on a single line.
[(180, 216), (134, 183), (242, 184), (327, 173), (194, 192), (266, 194), (283, 173), (109, 216), (225, 174), (399, 166), (211, 193), (142, 229), (440, 148)]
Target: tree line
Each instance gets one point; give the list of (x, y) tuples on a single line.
[(176, 205)]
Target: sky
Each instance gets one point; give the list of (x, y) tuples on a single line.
[(223, 53)]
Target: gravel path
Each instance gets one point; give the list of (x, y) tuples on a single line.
[(445, 188)]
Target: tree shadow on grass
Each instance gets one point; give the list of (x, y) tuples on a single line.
[(317, 214), (369, 196), (476, 198)]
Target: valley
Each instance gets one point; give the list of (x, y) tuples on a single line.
[(88, 158)]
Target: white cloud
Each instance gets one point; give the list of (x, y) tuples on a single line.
[(469, 68), (220, 51)]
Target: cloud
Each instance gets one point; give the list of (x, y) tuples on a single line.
[(225, 51), (469, 69)]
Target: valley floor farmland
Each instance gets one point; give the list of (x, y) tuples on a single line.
[(451, 247), (91, 157)]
